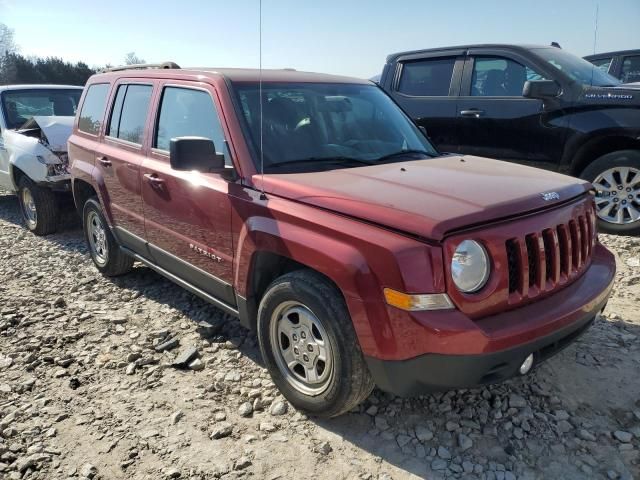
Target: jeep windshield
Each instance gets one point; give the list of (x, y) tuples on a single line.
[(577, 68), (322, 126), (19, 106)]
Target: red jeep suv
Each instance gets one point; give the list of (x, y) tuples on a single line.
[(311, 207)]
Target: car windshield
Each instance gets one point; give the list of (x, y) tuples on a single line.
[(577, 68), (19, 106), (320, 126)]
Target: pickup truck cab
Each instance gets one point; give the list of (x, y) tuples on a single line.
[(35, 123), (311, 207), (624, 64), (534, 105)]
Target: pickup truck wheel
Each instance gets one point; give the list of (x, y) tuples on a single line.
[(310, 347), (103, 248), (616, 178), (39, 207)]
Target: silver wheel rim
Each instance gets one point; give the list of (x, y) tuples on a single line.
[(97, 239), (302, 348), (29, 208), (618, 195)]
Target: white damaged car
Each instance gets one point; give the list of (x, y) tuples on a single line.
[(35, 123)]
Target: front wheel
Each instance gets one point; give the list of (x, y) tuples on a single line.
[(616, 178), (310, 347), (39, 207), (103, 248)]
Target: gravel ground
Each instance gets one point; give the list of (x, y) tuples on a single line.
[(89, 389)]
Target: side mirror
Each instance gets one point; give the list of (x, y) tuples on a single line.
[(540, 89), (195, 153)]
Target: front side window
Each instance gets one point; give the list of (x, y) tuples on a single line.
[(187, 112), (129, 112), (603, 63), (631, 69), (19, 106), (320, 126), (427, 78), (578, 69), (500, 77)]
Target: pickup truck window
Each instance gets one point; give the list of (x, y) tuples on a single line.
[(603, 63), (188, 112), (631, 69), (577, 68), (427, 78), (130, 112), (500, 77), (92, 111), (20, 105), (319, 126)]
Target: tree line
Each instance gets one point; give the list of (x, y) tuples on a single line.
[(16, 68)]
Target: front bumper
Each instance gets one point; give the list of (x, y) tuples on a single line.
[(496, 347)]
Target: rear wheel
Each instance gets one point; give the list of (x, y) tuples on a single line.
[(616, 178), (39, 207), (310, 347), (103, 248)]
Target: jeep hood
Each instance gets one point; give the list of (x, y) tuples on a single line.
[(431, 197), (53, 131)]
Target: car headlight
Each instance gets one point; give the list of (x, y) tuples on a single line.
[(470, 266)]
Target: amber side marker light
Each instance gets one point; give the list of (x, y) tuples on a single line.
[(413, 303)]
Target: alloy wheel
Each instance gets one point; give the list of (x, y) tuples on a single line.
[(97, 236), (618, 195), (29, 208), (302, 348)]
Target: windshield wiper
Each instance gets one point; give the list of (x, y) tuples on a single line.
[(337, 159), (403, 153)]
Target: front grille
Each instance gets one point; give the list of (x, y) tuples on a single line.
[(543, 261)]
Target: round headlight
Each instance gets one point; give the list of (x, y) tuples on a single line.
[(470, 266)]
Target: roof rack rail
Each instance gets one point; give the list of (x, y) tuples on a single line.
[(141, 66)]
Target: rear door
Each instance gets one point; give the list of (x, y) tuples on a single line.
[(494, 119), (188, 214), (121, 155), (426, 86)]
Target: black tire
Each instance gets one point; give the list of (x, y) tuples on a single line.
[(350, 381), (113, 261), (621, 158), (44, 210)]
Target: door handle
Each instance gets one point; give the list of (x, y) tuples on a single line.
[(474, 113), (153, 180), (104, 161)]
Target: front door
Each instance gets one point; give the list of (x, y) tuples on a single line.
[(494, 119), (120, 158), (188, 214)]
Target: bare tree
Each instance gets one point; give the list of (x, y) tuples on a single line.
[(132, 59), (7, 45)]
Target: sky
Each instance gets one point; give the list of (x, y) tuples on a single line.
[(348, 37)]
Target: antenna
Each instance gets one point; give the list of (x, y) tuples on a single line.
[(595, 39), (262, 194)]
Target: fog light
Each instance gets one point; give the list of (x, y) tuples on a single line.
[(526, 365)]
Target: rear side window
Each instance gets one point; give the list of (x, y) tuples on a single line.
[(631, 69), (129, 113), (92, 111), (500, 77), (187, 112), (427, 78)]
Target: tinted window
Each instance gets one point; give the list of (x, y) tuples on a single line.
[(575, 67), (427, 77), (500, 77), (187, 112), (318, 126), (603, 63), (631, 69), (129, 112), (92, 111)]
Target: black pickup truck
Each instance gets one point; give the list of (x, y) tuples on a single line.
[(535, 105)]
